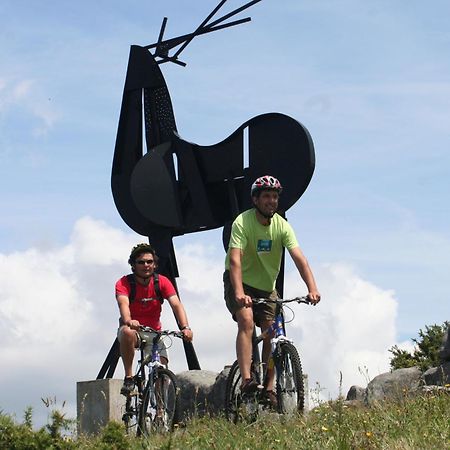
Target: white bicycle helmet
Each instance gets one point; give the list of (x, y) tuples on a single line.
[(267, 182)]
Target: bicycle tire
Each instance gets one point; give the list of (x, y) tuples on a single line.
[(159, 406), (130, 416), (289, 381), (232, 393), (237, 406)]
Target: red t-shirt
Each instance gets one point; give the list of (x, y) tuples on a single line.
[(146, 307)]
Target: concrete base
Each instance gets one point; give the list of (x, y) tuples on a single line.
[(98, 402)]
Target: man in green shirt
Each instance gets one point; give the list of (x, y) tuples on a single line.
[(252, 266)]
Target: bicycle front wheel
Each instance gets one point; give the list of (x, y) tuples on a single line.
[(159, 406), (130, 416), (238, 406), (290, 387), (233, 393)]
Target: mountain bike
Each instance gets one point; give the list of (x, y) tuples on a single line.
[(152, 406), (288, 372)]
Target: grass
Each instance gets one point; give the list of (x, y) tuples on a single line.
[(414, 423)]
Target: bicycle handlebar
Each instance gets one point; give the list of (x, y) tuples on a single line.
[(305, 299), (178, 334)]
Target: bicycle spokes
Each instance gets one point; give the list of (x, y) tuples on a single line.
[(160, 401), (290, 389), (130, 416)]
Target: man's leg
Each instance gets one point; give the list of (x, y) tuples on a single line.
[(244, 318), (266, 351), (128, 341)]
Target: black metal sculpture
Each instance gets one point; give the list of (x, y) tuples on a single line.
[(179, 187)]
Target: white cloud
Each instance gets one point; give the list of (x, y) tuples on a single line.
[(22, 89), (28, 96), (349, 332), (59, 308)]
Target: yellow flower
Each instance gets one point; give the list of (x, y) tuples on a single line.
[(324, 428), (369, 434)]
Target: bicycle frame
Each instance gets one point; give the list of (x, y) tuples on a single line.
[(277, 330), (285, 366), (151, 362)]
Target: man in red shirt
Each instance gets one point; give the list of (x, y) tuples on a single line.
[(145, 308)]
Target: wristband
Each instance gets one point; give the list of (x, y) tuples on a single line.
[(186, 327)]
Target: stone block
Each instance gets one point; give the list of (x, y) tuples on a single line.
[(98, 402)]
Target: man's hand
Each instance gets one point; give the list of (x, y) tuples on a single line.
[(134, 324), (188, 335), (244, 300), (314, 297)]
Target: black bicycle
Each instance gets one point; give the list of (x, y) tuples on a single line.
[(152, 406), (284, 358)]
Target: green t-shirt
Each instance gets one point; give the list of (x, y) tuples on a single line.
[(261, 248)]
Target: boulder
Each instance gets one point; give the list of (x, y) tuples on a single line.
[(194, 392), (438, 376), (216, 398), (201, 392), (394, 385), (356, 393)]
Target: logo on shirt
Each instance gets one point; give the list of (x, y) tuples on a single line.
[(264, 245), (144, 301)]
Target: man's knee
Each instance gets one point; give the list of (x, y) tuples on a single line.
[(244, 318), (127, 336)]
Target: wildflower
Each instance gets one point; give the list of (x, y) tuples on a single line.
[(369, 434), (324, 428)]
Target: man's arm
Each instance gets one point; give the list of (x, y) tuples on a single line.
[(125, 314), (236, 277), (305, 272), (181, 316)]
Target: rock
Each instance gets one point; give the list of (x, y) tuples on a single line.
[(216, 398), (201, 392), (444, 352), (356, 393), (439, 376), (194, 388), (394, 385)]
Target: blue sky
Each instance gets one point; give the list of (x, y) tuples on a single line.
[(370, 81)]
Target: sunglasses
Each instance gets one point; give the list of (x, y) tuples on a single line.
[(144, 261)]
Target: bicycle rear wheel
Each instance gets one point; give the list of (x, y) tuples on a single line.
[(290, 387), (130, 416), (159, 407)]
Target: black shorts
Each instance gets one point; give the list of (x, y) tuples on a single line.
[(261, 312)]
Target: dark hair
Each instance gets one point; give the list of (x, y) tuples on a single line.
[(139, 249)]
